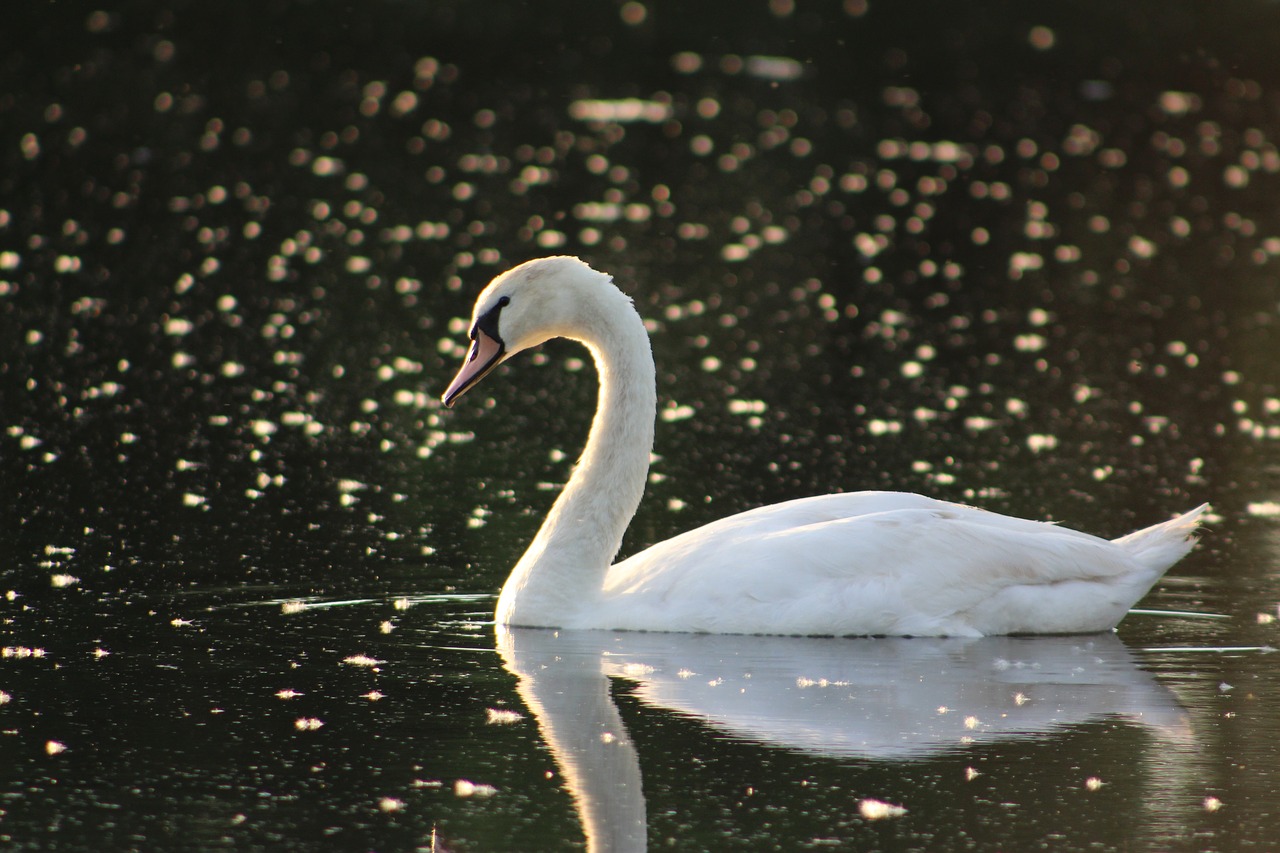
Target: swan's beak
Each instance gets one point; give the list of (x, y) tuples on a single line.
[(484, 355)]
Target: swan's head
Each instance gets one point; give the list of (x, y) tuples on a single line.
[(526, 306)]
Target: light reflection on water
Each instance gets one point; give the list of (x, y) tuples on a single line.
[(1031, 267), (376, 719), (874, 700)]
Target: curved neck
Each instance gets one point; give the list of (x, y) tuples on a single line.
[(564, 567)]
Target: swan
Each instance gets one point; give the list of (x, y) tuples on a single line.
[(846, 564)]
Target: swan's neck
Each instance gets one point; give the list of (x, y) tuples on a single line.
[(564, 568)]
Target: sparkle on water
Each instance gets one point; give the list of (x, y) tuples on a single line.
[(249, 561)]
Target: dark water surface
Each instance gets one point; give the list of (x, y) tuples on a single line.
[(1025, 256)]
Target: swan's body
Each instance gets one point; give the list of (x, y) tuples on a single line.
[(841, 564)]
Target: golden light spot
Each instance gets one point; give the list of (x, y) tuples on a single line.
[(502, 716), (878, 810), (1039, 442), (1041, 38), (1178, 103), (362, 660), (1112, 158), (622, 110), (633, 14), (1142, 247), (551, 239), (686, 62), (1029, 343), (463, 788), (1020, 262)]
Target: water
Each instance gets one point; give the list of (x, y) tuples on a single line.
[(1024, 259)]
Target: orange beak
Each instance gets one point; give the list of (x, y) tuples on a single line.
[(483, 356)]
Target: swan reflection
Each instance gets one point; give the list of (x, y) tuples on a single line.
[(881, 699)]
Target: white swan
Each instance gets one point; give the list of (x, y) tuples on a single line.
[(862, 563)]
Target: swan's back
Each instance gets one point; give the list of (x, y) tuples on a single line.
[(887, 563)]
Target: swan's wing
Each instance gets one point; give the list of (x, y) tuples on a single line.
[(875, 563)]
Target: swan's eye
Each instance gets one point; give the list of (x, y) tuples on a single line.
[(488, 321)]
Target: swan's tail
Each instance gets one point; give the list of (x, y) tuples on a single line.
[(1161, 545)]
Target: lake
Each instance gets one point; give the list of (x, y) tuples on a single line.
[(1025, 258)]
